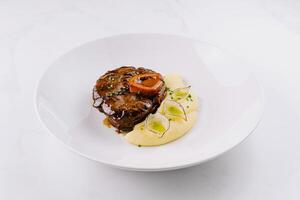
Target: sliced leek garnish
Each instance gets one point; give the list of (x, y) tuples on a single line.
[(157, 124), (180, 93), (173, 108)]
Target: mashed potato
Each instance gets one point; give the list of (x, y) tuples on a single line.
[(178, 126)]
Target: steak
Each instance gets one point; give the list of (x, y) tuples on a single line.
[(124, 108)]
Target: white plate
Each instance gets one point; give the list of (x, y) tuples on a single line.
[(231, 100)]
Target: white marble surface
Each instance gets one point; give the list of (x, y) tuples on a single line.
[(34, 165)]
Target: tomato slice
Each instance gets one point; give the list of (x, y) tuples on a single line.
[(149, 83)]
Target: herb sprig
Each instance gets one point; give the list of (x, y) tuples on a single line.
[(189, 98), (116, 93)]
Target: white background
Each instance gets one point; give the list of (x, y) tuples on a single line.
[(34, 165)]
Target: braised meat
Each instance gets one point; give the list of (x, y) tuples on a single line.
[(127, 95)]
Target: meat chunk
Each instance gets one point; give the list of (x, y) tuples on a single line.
[(124, 108)]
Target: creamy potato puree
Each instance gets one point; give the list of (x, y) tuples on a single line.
[(178, 126)]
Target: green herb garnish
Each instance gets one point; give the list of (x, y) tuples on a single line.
[(189, 98)]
